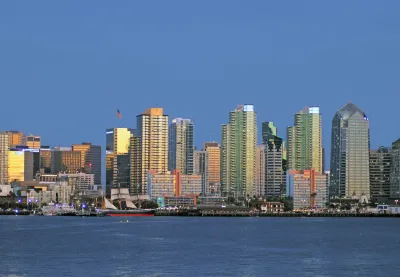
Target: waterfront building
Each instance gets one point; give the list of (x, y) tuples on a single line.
[(350, 153), (274, 168), (173, 183), (152, 129), (31, 141), (20, 166), (79, 181), (380, 162), (14, 138), (4, 147), (213, 150), (238, 152), (118, 158), (395, 171), (307, 188), (259, 188), (180, 146), (201, 159), (90, 159), (305, 140)]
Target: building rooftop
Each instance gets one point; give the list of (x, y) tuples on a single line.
[(349, 110)]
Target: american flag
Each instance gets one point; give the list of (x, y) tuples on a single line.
[(119, 114)]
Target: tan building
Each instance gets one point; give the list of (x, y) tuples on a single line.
[(214, 162), (45, 160), (31, 141), (152, 152), (14, 138), (90, 159), (64, 160)]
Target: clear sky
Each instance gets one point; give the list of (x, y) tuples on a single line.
[(66, 66)]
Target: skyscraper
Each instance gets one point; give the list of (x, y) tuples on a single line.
[(152, 128), (213, 150), (20, 166), (201, 160), (65, 160), (4, 146), (118, 158), (239, 142), (260, 171), (350, 153), (180, 147), (274, 169), (90, 159), (380, 162), (14, 138), (268, 131), (305, 140)]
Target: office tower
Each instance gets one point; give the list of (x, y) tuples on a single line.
[(35, 165), (20, 166), (4, 146), (31, 141), (274, 168), (395, 171), (201, 167), (65, 160), (118, 158), (239, 142), (14, 138), (307, 188), (305, 140), (213, 150), (350, 153), (90, 159), (269, 131), (180, 147), (260, 171), (152, 128), (79, 181), (45, 159), (380, 162)]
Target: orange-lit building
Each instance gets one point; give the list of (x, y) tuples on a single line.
[(214, 162), (90, 159), (31, 141), (14, 138), (307, 188), (20, 166)]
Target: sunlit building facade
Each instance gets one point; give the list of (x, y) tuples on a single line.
[(45, 159), (65, 160), (20, 166), (90, 159), (118, 158), (31, 141), (180, 151), (14, 138), (305, 140), (239, 142), (350, 153), (213, 150), (260, 171)]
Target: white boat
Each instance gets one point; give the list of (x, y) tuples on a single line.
[(57, 209)]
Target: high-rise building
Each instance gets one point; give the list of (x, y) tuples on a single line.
[(180, 152), (118, 158), (239, 142), (14, 138), (305, 140), (201, 160), (45, 159), (260, 171), (269, 131), (4, 146), (90, 159), (31, 141), (213, 150), (380, 162), (395, 171), (307, 188), (65, 160), (20, 166), (274, 168), (152, 128), (350, 153)]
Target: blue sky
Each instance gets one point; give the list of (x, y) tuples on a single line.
[(66, 66)]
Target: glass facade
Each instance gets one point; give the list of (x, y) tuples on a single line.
[(350, 153), (180, 146), (380, 162), (16, 166), (395, 171)]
